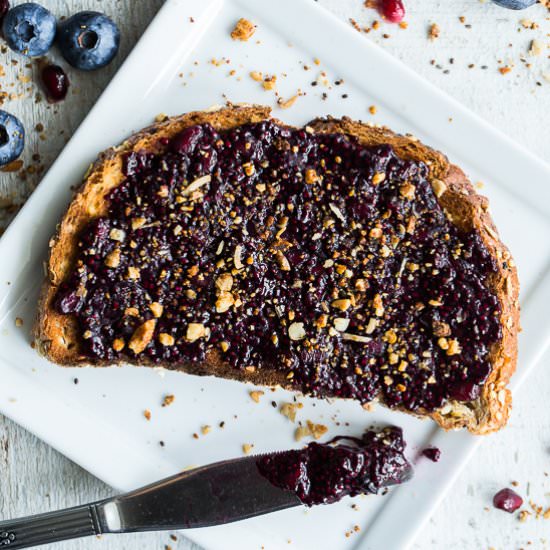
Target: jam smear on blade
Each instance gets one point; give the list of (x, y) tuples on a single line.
[(323, 473)]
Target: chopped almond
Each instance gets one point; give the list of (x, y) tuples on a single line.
[(224, 282), (118, 344), (289, 410), (255, 395), (142, 336), (166, 339), (157, 309), (244, 30), (195, 331), (247, 448), (113, 258), (224, 302), (168, 400)]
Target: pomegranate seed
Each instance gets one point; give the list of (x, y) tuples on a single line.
[(433, 453), (507, 500), (56, 82), (392, 10)]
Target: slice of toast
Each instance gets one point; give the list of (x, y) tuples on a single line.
[(482, 407)]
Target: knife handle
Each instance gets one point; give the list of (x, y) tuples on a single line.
[(71, 523)]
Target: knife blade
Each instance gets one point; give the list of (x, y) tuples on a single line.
[(215, 494), (219, 493)]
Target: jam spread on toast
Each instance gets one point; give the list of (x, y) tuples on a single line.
[(308, 254)]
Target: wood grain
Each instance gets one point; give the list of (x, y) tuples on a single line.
[(35, 478)]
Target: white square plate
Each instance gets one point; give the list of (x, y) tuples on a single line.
[(99, 422)]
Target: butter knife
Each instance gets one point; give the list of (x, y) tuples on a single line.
[(219, 493)]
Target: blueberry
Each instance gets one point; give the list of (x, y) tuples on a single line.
[(29, 29), (12, 138), (88, 40), (515, 4)]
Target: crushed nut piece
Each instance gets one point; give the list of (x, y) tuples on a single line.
[(379, 177), (342, 304), (166, 339), (289, 410), (156, 309), (247, 448), (434, 31), (310, 429), (142, 336), (311, 176), (224, 282), (224, 302), (118, 344), (243, 30), (168, 400), (284, 264), (255, 395), (439, 187), (341, 324), (195, 331), (113, 259), (296, 331)]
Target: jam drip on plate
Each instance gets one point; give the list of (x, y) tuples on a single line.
[(324, 260), (323, 473)]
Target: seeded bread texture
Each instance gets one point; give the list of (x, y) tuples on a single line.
[(57, 336)]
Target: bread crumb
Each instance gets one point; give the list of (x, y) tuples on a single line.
[(289, 410), (147, 414), (434, 31), (310, 429), (243, 30), (529, 24), (269, 82), (255, 395), (18, 322), (505, 70), (168, 400), (536, 48), (372, 109), (247, 448), (205, 429), (286, 104), (256, 75)]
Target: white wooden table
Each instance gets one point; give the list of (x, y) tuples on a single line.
[(464, 61)]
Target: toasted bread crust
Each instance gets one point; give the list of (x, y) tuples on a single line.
[(57, 336)]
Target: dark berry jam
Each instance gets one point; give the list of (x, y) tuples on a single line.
[(56, 82), (310, 254), (324, 473), (507, 500), (432, 453)]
